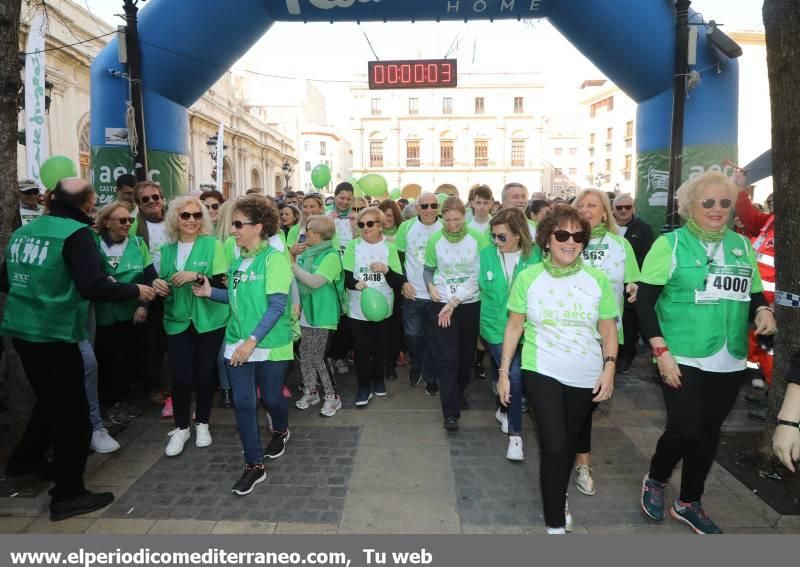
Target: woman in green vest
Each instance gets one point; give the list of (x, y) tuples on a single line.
[(319, 280), (611, 254), (127, 260), (258, 338), (194, 326), (700, 289), (513, 251)]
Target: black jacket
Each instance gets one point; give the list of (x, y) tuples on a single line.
[(640, 236)]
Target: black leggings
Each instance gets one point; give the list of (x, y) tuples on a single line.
[(369, 340), (695, 414), (561, 413), (193, 365), (117, 349)]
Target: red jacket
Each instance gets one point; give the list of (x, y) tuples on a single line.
[(764, 224)]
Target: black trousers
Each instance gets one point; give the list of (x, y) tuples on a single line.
[(193, 366), (153, 343), (369, 345), (342, 341), (395, 341), (60, 416), (630, 332), (695, 414), (453, 350), (117, 350), (560, 412)]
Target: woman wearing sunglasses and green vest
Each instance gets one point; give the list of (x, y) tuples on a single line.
[(567, 311), (194, 325), (513, 252), (700, 290), (611, 254), (258, 338)]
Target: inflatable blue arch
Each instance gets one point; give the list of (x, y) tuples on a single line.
[(631, 41)]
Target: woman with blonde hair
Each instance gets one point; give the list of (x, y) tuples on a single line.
[(611, 254), (195, 326)]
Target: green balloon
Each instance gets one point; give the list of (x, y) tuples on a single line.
[(374, 305), (412, 200), (442, 197), (395, 193), (373, 185), (320, 176), (56, 168)]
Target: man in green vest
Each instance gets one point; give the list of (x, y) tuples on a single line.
[(51, 273)]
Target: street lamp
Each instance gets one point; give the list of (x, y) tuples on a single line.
[(287, 173), (211, 144)]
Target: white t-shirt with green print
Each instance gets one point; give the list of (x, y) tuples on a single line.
[(358, 256), (561, 336), (412, 240), (456, 266)]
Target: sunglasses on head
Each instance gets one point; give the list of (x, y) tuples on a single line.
[(502, 237), (709, 203), (368, 224), (624, 207), (186, 216), (426, 206), (146, 198), (212, 206), (563, 236), (237, 224), (124, 220)]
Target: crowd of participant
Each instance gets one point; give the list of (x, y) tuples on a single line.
[(230, 293)]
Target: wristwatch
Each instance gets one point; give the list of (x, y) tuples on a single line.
[(608, 359), (659, 350)]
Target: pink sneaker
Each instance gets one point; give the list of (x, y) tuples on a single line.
[(166, 411), (287, 393)]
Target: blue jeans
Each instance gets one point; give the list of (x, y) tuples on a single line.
[(224, 382), (268, 376), (418, 335), (515, 380), (90, 382)]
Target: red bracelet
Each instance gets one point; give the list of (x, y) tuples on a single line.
[(659, 350)]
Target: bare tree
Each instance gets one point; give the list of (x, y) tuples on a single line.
[(782, 23)]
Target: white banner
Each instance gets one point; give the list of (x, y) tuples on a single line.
[(36, 149), (220, 156)]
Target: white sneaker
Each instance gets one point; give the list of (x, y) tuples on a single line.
[(308, 400), (203, 435), (583, 480), (331, 406), (502, 417), (568, 525), (341, 366), (556, 531), (102, 442), (177, 439), (758, 383), (514, 452)]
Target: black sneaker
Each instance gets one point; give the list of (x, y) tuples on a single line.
[(83, 504), (252, 475), (451, 423), (695, 517), (277, 445), (652, 500), (414, 377), (432, 389)]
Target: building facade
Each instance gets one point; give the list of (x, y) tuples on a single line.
[(564, 156), (487, 131)]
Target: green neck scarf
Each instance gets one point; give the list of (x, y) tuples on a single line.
[(562, 272), (306, 262), (342, 214), (705, 235), (600, 230), (262, 244), (391, 231), (455, 237)]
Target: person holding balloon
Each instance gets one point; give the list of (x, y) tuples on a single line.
[(373, 275), (451, 277)]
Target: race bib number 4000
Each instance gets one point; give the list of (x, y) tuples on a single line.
[(726, 282)]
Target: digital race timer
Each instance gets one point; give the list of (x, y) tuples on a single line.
[(413, 74)]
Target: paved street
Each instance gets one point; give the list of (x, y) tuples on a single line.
[(390, 468)]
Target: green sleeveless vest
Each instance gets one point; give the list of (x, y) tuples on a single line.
[(247, 296), (182, 306), (699, 330), (322, 307), (43, 302), (129, 269)]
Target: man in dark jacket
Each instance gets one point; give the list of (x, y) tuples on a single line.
[(640, 236)]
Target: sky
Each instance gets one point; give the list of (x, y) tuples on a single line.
[(293, 50)]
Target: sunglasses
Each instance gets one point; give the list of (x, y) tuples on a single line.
[(124, 220), (502, 237), (212, 206), (29, 192), (368, 224), (624, 207), (723, 203), (357, 209), (146, 198), (426, 206), (187, 216), (237, 224), (563, 236)]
